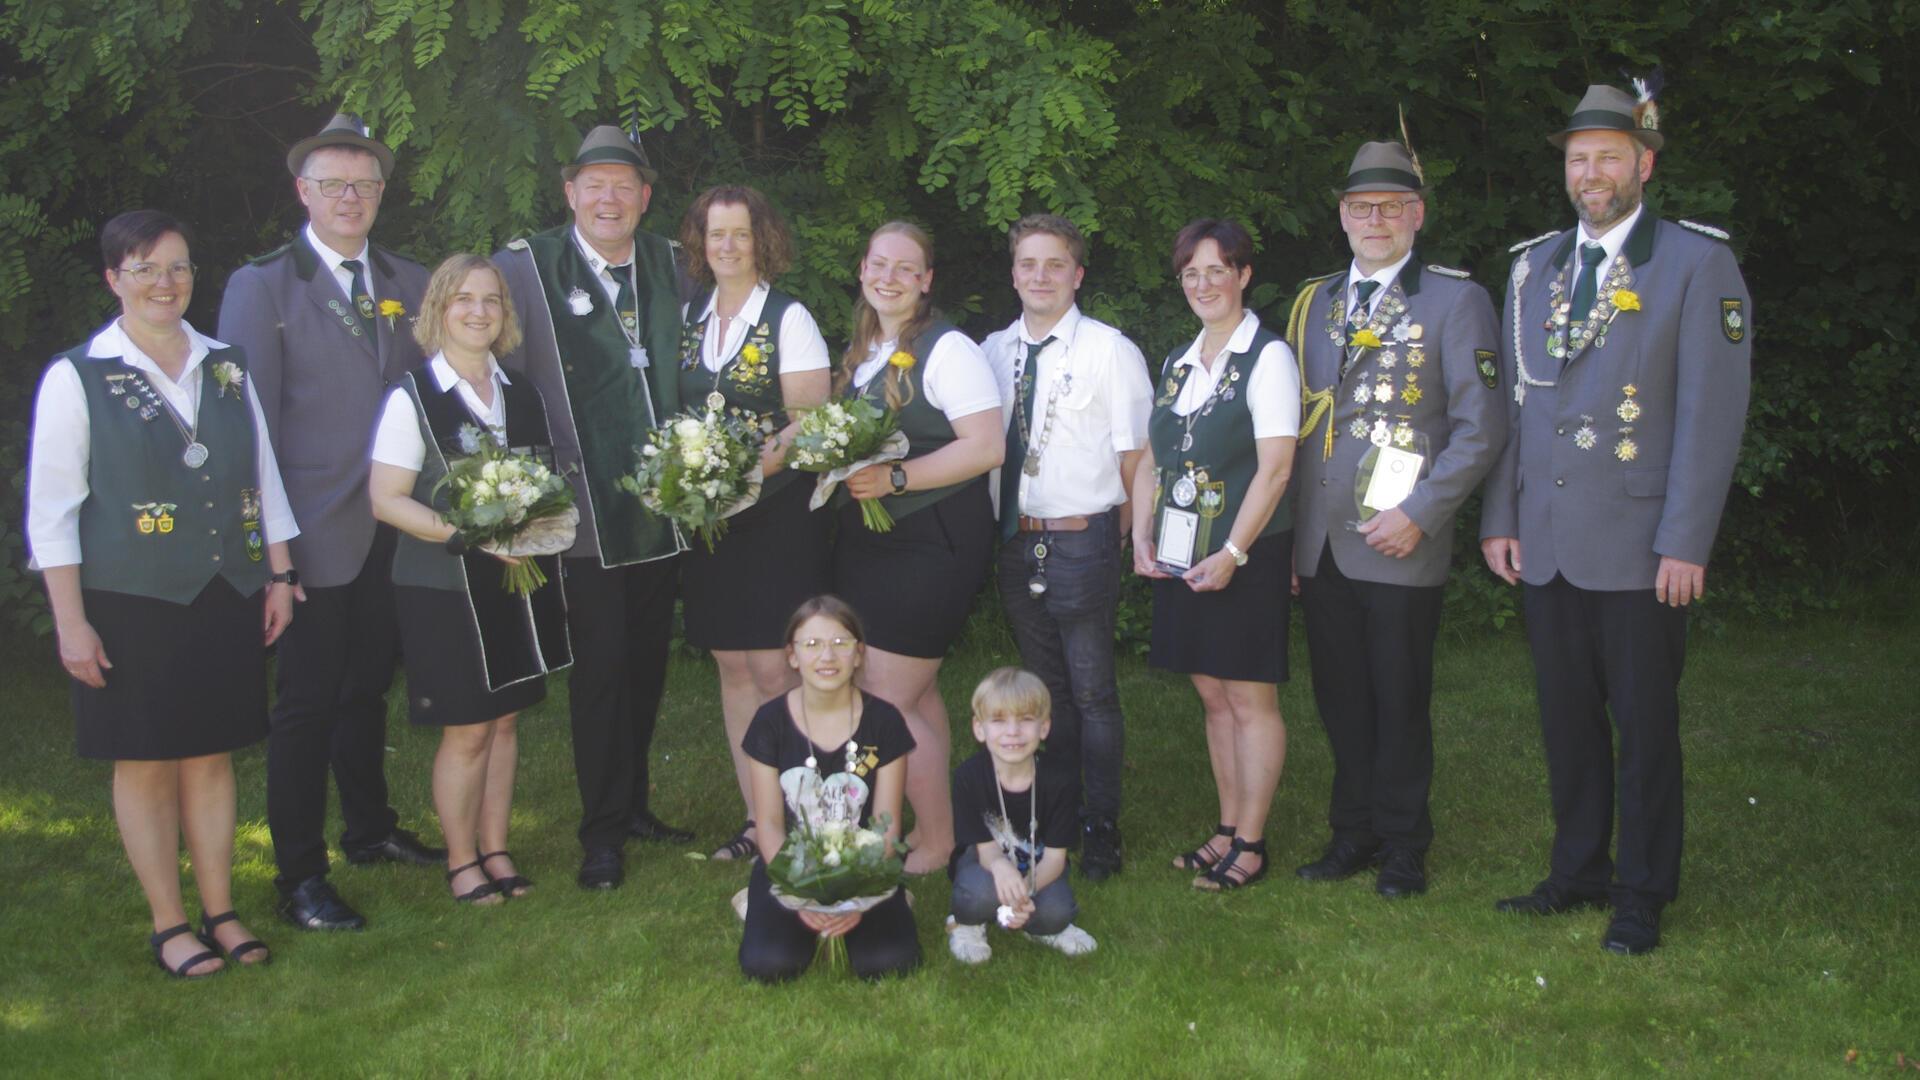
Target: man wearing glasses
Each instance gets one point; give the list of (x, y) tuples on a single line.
[(324, 322), (1402, 418)]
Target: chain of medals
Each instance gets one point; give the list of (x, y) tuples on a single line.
[(1186, 489), (1566, 336), (196, 453), (1023, 376), (1405, 334), (1033, 828)]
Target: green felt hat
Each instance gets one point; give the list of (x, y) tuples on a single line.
[(1609, 108), (608, 145), (345, 129), (1384, 166)]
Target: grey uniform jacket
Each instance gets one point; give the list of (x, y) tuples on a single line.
[(1456, 405), (1625, 453), (321, 372)]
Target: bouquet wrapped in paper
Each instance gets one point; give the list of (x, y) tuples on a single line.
[(509, 503), (839, 439), (699, 470), (830, 863)]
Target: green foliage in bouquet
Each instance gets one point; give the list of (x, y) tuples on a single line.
[(841, 433), (695, 470), (495, 494), (837, 861)]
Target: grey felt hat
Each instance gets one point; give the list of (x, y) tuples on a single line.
[(1609, 108), (608, 145), (1383, 166), (345, 129)]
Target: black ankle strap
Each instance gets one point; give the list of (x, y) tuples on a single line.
[(210, 921), (1255, 847), (1224, 830)]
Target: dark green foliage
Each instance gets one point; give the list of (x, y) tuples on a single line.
[(1791, 127)]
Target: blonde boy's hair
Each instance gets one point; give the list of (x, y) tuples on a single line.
[(1011, 691)]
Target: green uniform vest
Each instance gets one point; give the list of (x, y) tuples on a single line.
[(1222, 457), (150, 525), (751, 386), (613, 404), (926, 427), (519, 639)]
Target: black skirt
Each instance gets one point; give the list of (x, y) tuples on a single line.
[(446, 683), (1238, 633), (774, 556), (913, 586), (186, 680)]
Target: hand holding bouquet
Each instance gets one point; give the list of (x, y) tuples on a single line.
[(699, 470), (839, 439), (510, 504), (830, 863)]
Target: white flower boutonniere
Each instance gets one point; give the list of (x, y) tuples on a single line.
[(228, 376)]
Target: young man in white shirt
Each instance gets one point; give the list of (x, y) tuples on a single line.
[(1076, 396)]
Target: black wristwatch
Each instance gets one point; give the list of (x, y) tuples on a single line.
[(291, 577), (898, 474)]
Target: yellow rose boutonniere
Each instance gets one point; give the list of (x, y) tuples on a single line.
[(750, 353), (901, 359), (392, 309), (1626, 300), (1364, 339)]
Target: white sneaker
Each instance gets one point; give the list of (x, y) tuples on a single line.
[(1072, 941), (740, 904), (968, 944)]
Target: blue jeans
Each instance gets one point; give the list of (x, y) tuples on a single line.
[(975, 902), (1065, 636)]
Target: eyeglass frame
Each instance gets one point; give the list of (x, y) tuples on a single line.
[(1399, 208), (839, 645), (1215, 276), (149, 273), (320, 185)]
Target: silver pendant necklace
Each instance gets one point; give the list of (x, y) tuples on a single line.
[(1033, 826)]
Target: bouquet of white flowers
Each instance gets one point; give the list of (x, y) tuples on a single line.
[(699, 470), (508, 503), (839, 439), (831, 864)]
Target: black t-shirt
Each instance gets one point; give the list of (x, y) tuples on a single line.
[(773, 738), (976, 808)]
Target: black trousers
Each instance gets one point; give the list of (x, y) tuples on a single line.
[(1371, 646), (1619, 652), (776, 945), (336, 662), (621, 623)]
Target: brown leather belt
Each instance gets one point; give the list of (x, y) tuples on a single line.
[(1065, 524)]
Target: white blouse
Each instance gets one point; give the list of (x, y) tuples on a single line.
[(397, 440), (1273, 384), (800, 347), (958, 380)]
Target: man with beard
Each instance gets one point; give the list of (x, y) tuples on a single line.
[(1627, 347)]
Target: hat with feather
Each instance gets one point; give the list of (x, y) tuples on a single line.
[(1609, 108)]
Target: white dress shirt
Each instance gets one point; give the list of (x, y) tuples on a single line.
[(1272, 386), (342, 275), (603, 270), (798, 345), (1611, 243), (957, 380), (397, 440), (63, 445), (1095, 384), (1383, 277)]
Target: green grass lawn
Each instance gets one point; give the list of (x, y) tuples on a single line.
[(1793, 941)]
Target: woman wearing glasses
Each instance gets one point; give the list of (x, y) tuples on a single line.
[(155, 512), (1212, 529)]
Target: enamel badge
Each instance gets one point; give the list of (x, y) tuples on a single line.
[(1733, 319)]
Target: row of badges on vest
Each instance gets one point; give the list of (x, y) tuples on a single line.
[(156, 519)]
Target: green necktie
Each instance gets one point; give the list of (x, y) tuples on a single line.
[(1363, 292), (627, 305), (1016, 460), (1588, 284), (362, 296)]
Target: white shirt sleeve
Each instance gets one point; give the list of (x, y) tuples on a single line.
[(276, 514), (802, 348), (958, 381), (62, 445), (1273, 394), (396, 440), (1129, 396)]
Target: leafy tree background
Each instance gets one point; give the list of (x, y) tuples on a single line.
[(1793, 127)]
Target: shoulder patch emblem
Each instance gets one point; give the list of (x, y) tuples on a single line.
[(1448, 271), (1733, 318), (517, 245), (1541, 239), (1717, 234), (1486, 362)]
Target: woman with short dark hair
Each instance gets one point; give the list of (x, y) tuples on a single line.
[(156, 514), (1212, 529)]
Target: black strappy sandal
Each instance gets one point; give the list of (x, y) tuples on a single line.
[(513, 885), (479, 892), (1196, 861), (1222, 878), (233, 955), (190, 962), (740, 847)]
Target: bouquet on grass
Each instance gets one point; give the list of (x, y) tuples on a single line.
[(830, 863), (839, 439), (699, 470), (509, 503)]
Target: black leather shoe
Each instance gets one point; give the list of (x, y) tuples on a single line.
[(647, 827), (1633, 931), (1099, 848), (1549, 899), (1342, 859), (1403, 875), (602, 868), (401, 847), (313, 905)]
